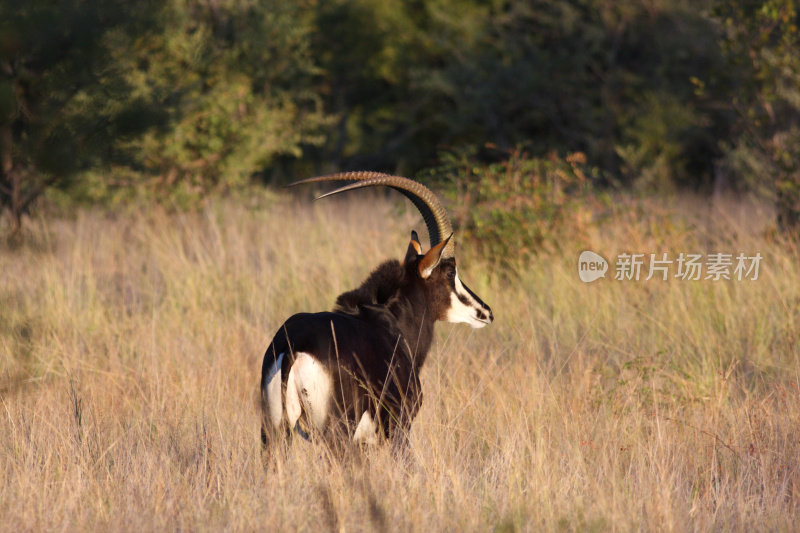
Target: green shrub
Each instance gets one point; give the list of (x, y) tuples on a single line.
[(520, 206)]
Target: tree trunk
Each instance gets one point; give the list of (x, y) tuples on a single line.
[(7, 185), (787, 205), (11, 194)]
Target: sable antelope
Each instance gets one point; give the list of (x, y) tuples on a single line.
[(355, 370)]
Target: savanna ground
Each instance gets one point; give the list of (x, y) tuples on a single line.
[(131, 345)]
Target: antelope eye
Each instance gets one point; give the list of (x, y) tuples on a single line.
[(451, 274)]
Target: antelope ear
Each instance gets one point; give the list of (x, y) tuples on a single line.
[(432, 258), (414, 248)]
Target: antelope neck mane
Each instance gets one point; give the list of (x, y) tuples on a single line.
[(378, 289), (387, 287)]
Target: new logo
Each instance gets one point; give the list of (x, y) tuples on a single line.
[(591, 266)]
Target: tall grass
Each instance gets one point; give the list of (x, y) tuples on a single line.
[(130, 352)]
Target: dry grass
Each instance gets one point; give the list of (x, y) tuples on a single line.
[(130, 348)]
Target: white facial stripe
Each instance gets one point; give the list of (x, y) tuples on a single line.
[(460, 312)]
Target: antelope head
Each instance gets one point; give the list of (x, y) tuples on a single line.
[(436, 269)]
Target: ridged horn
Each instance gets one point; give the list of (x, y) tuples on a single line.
[(434, 215)]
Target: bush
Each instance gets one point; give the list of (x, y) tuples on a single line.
[(522, 205)]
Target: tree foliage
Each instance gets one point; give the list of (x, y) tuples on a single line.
[(184, 97), (233, 80), (609, 79), (55, 117), (761, 43)]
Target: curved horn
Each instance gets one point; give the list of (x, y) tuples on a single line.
[(436, 219)]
